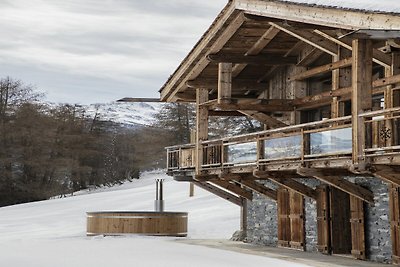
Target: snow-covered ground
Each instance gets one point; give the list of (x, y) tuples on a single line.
[(126, 113), (53, 232)]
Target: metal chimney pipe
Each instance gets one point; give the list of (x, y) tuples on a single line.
[(159, 202)]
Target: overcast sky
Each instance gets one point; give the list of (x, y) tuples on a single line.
[(93, 51)]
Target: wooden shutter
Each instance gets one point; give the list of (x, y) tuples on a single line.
[(395, 222), (323, 226), (340, 221), (283, 218), (357, 228), (297, 236)]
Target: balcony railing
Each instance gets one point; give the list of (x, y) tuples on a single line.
[(326, 139)]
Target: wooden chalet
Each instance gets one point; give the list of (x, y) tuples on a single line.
[(325, 82)]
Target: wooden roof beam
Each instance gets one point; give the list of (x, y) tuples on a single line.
[(377, 56), (335, 180), (322, 69), (237, 84), (261, 43), (219, 192), (182, 74), (309, 38), (266, 60)]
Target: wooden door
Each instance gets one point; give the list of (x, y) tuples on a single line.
[(357, 228), (395, 222), (283, 202), (340, 221), (323, 225), (297, 237)]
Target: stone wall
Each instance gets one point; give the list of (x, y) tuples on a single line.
[(263, 229)]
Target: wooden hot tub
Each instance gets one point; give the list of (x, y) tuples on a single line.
[(137, 222)]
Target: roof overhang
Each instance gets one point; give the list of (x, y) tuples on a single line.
[(238, 14)]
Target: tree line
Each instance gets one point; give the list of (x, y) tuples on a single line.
[(49, 150)]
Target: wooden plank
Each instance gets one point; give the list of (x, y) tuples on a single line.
[(297, 227), (361, 99), (322, 16), (264, 118), (201, 126), (259, 188), (323, 223), (233, 188), (224, 82), (322, 69), (261, 43), (219, 192), (309, 38), (266, 60), (283, 203), (186, 71), (394, 208), (336, 181), (237, 84), (357, 228)]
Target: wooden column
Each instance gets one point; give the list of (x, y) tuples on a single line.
[(224, 82), (201, 125), (243, 217), (361, 94), (341, 78), (392, 98), (192, 141)]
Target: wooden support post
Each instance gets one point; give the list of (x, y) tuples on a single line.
[(219, 192), (236, 189), (243, 217), (224, 82), (361, 95), (201, 126)]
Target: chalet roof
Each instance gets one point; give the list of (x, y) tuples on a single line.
[(381, 6), (242, 23)]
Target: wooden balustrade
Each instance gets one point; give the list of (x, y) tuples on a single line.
[(325, 139)]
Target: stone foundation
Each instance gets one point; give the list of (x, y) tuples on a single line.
[(263, 227)]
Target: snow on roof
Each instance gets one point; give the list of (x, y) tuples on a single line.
[(384, 6)]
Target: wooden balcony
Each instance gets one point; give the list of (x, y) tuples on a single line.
[(324, 144)]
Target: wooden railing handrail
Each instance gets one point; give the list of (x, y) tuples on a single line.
[(277, 130), (379, 112)]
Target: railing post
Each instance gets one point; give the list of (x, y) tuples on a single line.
[(260, 151)]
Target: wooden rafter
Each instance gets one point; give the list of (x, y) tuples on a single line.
[(237, 84), (219, 192), (261, 43), (233, 188), (309, 38), (340, 183), (253, 106), (378, 56), (202, 63), (267, 60)]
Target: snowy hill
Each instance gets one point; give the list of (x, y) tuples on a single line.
[(53, 232), (132, 114)]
